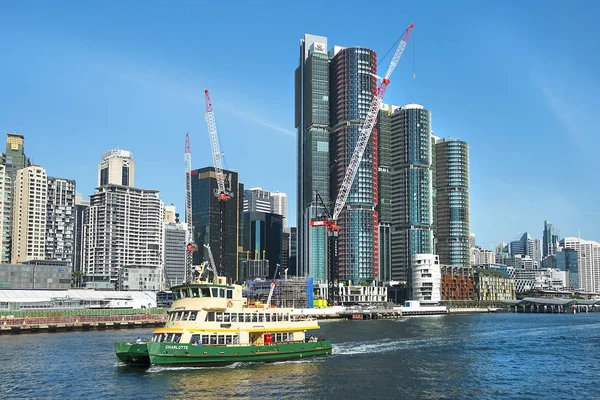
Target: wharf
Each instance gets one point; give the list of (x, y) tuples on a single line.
[(41, 325)]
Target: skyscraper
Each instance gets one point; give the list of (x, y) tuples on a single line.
[(257, 200), (384, 130), (116, 168), (279, 205), (333, 94), (265, 237), (225, 244), (123, 228), (81, 207), (312, 123), (30, 195), (452, 216), (5, 207), (60, 220), (174, 253), (550, 239), (352, 87), (13, 160), (411, 221)]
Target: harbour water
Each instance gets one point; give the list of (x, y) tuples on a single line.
[(490, 356)]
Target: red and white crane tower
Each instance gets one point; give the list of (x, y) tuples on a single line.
[(220, 191), (330, 220), (190, 245)]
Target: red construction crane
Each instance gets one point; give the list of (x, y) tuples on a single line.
[(330, 220), (220, 191)]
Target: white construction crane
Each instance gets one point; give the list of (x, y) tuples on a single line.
[(190, 245), (209, 117)]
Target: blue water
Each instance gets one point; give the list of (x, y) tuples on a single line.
[(490, 356)]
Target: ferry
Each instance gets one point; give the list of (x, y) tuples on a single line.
[(211, 324)]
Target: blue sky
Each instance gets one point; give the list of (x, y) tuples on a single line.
[(517, 80)]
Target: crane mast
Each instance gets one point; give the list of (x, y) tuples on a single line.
[(190, 245), (215, 148), (330, 220)]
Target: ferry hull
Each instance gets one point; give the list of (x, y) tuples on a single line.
[(188, 354), (132, 353)]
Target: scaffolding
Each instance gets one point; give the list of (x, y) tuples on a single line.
[(288, 293)]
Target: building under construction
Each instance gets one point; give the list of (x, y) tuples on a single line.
[(292, 292)]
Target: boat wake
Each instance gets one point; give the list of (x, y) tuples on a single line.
[(383, 346), (163, 368)]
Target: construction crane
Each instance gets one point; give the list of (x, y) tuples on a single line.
[(272, 286), (220, 191), (190, 245), (330, 220)]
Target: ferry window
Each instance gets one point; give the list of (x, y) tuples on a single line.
[(248, 318), (169, 337), (229, 294), (205, 292), (222, 293), (175, 295), (233, 317), (227, 339), (195, 292), (213, 339), (226, 317), (261, 317), (193, 315), (195, 338), (204, 339), (219, 317), (215, 292), (221, 339), (241, 317), (210, 316), (236, 339), (254, 318), (267, 317), (286, 316), (177, 337), (277, 337), (182, 293)]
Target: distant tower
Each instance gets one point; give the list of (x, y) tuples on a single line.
[(116, 168), (279, 205)]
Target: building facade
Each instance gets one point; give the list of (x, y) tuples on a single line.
[(588, 262), (174, 253), (279, 202), (116, 168), (265, 238), (426, 278), (384, 181), (352, 87), (312, 124), (30, 196), (13, 159), (457, 283), (123, 227), (411, 188), (225, 240), (81, 207), (257, 200), (492, 285), (5, 209), (60, 221), (450, 191)]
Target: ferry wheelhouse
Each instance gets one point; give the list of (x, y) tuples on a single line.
[(210, 323)]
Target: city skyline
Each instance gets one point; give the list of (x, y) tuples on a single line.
[(78, 97)]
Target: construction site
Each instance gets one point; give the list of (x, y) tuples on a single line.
[(291, 292)]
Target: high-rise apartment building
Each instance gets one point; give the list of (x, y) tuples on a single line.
[(60, 220), (411, 187), (30, 195), (334, 92), (208, 212), (279, 205), (116, 168), (81, 207), (174, 252), (588, 260), (550, 239), (257, 200), (352, 86), (384, 130), (451, 201), (13, 160), (264, 238), (123, 228), (312, 123), (170, 214)]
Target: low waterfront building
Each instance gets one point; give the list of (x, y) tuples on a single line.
[(140, 277), (457, 283), (492, 285), (36, 274), (426, 278), (349, 294), (293, 292)]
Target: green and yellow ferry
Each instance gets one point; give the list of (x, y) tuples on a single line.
[(211, 324)]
